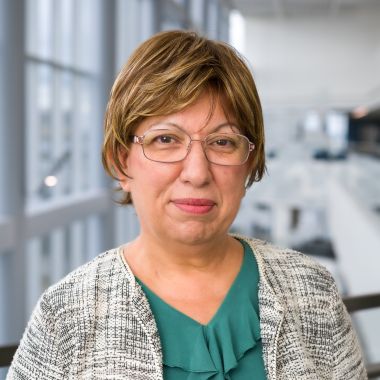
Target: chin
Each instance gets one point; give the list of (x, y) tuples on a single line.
[(193, 235)]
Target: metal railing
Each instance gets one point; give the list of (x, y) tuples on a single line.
[(6, 355), (353, 304), (356, 303)]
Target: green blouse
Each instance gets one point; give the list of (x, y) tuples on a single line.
[(228, 347)]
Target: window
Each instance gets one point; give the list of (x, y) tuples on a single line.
[(197, 13), (64, 115), (136, 21), (63, 85), (55, 209)]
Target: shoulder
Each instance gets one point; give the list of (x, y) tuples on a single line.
[(285, 268), (104, 275)]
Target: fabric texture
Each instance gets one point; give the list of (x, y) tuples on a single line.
[(97, 324), (228, 347)]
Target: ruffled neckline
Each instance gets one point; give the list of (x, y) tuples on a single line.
[(215, 348)]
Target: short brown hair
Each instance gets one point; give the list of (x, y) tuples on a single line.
[(170, 71)]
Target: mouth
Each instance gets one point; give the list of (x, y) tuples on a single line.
[(194, 205)]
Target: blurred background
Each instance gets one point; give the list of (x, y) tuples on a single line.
[(317, 68)]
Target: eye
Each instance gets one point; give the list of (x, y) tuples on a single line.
[(164, 139), (223, 142)]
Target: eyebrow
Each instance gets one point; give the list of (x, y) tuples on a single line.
[(217, 128)]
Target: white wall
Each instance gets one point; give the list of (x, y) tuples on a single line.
[(315, 61), (321, 64), (355, 233)]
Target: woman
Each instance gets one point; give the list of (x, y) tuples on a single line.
[(187, 300)]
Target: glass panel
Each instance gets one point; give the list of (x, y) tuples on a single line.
[(3, 373), (50, 257), (63, 159), (224, 23), (126, 216), (64, 21), (62, 167), (58, 265), (146, 20), (40, 134), (88, 134), (5, 267), (75, 244), (236, 29), (34, 273), (40, 33), (88, 35), (84, 127), (196, 13), (172, 16), (47, 261), (2, 116), (46, 252), (64, 132), (212, 19), (94, 236)]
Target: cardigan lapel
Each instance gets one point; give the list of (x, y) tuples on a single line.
[(141, 304), (148, 323), (271, 317), (145, 317), (271, 313)]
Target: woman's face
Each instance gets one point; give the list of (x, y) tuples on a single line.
[(192, 201)]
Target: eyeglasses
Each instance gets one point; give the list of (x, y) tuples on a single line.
[(173, 145)]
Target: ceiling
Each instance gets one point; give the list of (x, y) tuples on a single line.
[(299, 8)]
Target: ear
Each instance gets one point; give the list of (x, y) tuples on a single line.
[(124, 182), (122, 176)]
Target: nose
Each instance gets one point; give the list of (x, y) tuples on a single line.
[(196, 167)]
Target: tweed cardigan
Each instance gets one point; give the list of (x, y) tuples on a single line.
[(97, 324)]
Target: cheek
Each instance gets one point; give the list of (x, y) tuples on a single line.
[(234, 186), (149, 177), (232, 177)]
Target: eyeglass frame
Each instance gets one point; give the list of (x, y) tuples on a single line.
[(140, 140)]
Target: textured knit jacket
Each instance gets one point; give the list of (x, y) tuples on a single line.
[(97, 324)]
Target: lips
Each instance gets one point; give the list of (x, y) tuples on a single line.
[(194, 205)]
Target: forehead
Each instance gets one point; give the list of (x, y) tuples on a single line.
[(203, 116)]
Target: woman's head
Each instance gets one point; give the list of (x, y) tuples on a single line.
[(168, 73)]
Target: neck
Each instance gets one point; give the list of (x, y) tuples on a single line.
[(159, 259)]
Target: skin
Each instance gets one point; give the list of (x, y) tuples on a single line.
[(184, 253)]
